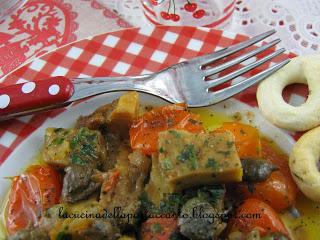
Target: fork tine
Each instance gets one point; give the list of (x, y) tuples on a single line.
[(243, 70), (211, 57), (214, 70), (239, 87)]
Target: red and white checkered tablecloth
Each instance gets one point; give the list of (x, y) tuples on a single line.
[(126, 52), (41, 26)]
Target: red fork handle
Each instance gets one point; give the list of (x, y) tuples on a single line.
[(32, 95)]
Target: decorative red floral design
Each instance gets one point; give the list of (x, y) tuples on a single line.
[(51, 24), (109, 13)]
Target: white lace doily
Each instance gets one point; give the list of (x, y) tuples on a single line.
[(297, 21)]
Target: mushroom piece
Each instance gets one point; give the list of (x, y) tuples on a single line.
[(199, 220), (256, 170)]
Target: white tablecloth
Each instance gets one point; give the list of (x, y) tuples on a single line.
[(297, 21)]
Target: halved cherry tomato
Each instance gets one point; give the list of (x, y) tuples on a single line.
[(276, 191), (145, 130), (158, 228), (279, 190), (247, 139), (254, 213), (275, 156), (31, 193)]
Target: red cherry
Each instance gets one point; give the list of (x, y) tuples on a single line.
[(199, 13), (190, 7), (174, 17), (165, 15)]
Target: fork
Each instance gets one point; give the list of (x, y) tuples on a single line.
[(182, 82)]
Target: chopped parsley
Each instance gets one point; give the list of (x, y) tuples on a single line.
[(230, 144), (84, 147), (161, 150), (63, 236), (147, 206), (156, 228), (211, 194), (57, 130), (225, 153), (174, 133), (76, 159), (188, 154), (57, 141), (213, 164), (170, 203), (167, 164)]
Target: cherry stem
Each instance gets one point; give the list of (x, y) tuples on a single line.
[(188, 2), (174, 7), (169, 7)]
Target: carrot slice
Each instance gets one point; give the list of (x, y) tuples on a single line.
[(247, 139)]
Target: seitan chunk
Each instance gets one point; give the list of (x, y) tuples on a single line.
[(187, 159), (82, 146), (83, 220), (116, 117), (57, 147), (125, 112), (157, 187)]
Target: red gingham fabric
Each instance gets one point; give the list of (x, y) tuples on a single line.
[(126, 52)]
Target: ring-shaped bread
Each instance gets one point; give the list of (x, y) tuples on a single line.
[(304, 70), (304, 164)]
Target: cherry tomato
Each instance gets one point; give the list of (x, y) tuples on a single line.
[(254, 213), (279, 190), (31, 193), (275, 191), (275, 156), (158, 228)]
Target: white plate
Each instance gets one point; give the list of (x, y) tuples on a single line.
[(25, 154)]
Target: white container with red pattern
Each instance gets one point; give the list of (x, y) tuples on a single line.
[(206, 13)]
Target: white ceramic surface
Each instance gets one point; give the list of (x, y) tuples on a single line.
[(29, 148)]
